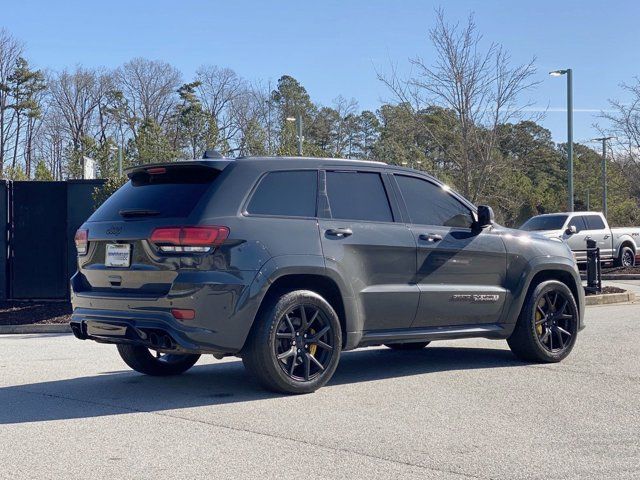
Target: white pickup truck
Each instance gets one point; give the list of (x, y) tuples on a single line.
[(619, 245)]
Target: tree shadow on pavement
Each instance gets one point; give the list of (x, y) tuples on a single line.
[(115, 393)]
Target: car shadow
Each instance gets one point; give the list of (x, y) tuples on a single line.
[(122, 392)]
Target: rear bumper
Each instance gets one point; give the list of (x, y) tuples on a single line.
[(219, 326), (156, 330)]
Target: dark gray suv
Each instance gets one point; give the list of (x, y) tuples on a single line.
[(286, 262)]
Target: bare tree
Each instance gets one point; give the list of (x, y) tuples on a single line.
[(343, 130), (148, 90), (10, 51), (481, 87), (624, 125), (221, 92), (51, 141), (75, 96)]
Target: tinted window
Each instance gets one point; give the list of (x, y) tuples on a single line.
[(430, 204), (579, 223), (170, 194), (358, 196), (594, 222), (290, 194), (546, 222)]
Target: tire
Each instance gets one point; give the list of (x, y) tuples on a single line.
[(543, 319), (627, 258), (407, 346), (279, 350), (142, 360)]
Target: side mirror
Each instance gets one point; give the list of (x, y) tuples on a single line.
[(485, 216), (571, 229)]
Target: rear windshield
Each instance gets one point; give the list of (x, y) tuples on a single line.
[(170, 194), (548, 222)]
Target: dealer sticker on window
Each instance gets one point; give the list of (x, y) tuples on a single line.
[(118, 255)]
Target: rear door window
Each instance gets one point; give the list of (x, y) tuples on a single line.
[(594, 222), (578, 222), (358, 196), (286, 193), (173, 193)]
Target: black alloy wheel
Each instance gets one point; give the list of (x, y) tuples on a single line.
[(303, 342), (295, 344), (547, 328), (555, 321)]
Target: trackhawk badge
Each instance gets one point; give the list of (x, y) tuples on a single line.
[(476, 298)]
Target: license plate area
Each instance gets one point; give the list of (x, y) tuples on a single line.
[(118, 255)]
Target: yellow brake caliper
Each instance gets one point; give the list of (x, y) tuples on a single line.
[(314, 347), (539, 326)]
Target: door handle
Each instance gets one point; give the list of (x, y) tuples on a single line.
[(339, 232), (588, 237), (430, 237)]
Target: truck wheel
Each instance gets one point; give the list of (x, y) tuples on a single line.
[(407, 346), (547, 328), (295, 344), (627, 258), (142, 360)]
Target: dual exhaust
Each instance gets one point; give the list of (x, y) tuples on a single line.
[(160, 340), (156, 339)]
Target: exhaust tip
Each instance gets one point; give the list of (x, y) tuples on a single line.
[(166, 342), (154, 340)]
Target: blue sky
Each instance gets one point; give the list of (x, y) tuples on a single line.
[(334, 47)]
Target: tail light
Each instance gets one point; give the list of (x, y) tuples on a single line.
[(82, 241), (189, 239), (183, 313)]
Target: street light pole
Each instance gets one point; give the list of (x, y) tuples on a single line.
[(298, 120), (570, 133), (588, 201), (604, 172), (119, 161), (119, 149), (569, 73)]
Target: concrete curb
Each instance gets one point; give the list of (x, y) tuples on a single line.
[(36, 328), (616, 276), (609, 298)]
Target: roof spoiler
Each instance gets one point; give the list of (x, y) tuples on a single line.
[(216, 164)]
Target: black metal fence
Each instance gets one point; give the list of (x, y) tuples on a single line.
[(37, 254)]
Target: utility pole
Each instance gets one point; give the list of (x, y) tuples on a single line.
[(604, 172)]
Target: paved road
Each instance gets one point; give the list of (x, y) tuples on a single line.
[(463, 409)]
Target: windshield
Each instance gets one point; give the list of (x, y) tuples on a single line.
[(546, 222)]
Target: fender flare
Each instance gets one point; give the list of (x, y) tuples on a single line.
[(534, 267), (284, 265), (626, 239)]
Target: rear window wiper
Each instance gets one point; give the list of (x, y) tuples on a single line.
[(138, 212)]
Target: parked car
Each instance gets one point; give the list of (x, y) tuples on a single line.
[(619, 245), (287, 262)]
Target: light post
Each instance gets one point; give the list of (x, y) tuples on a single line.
[(298, 120), (604, 171), (119, 150), (569, 73), (588, 201)]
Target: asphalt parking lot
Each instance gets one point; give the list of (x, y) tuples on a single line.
[(459, 409)]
